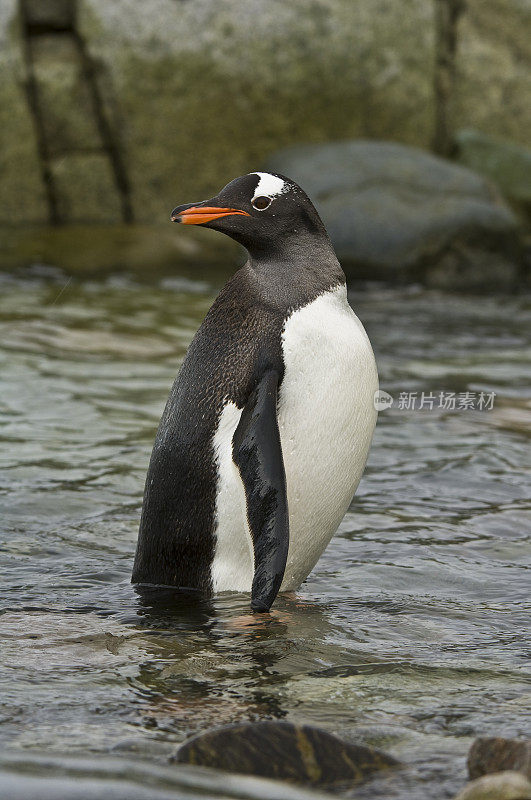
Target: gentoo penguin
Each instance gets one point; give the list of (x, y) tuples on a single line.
[(268, 425)]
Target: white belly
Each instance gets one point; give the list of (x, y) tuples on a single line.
[(326, 418)]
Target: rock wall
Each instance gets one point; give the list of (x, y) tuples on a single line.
[(116, 111)]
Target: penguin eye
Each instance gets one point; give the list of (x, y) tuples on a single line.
[(261, 203)]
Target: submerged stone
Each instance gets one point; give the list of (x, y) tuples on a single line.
[(295, 753), (499, 786)]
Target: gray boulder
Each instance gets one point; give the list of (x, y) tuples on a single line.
[(295, 753), (398, 213)]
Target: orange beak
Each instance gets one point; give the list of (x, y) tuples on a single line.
[(198, 215)]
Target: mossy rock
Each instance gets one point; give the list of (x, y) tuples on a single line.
[(506, 164)]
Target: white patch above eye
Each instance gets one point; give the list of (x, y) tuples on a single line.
[(269, 185)]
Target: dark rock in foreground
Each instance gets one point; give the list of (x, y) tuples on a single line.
[(398, 213), (497, 754), (295, 753)]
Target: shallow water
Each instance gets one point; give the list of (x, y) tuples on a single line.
[(411, 634)]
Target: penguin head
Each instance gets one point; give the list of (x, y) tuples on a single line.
[(261, 210)]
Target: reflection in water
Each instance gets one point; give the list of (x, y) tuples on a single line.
[(168, 608), (186, 675), (410, 634), (214, 656)]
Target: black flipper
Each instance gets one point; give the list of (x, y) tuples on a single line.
[(258, 455)]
